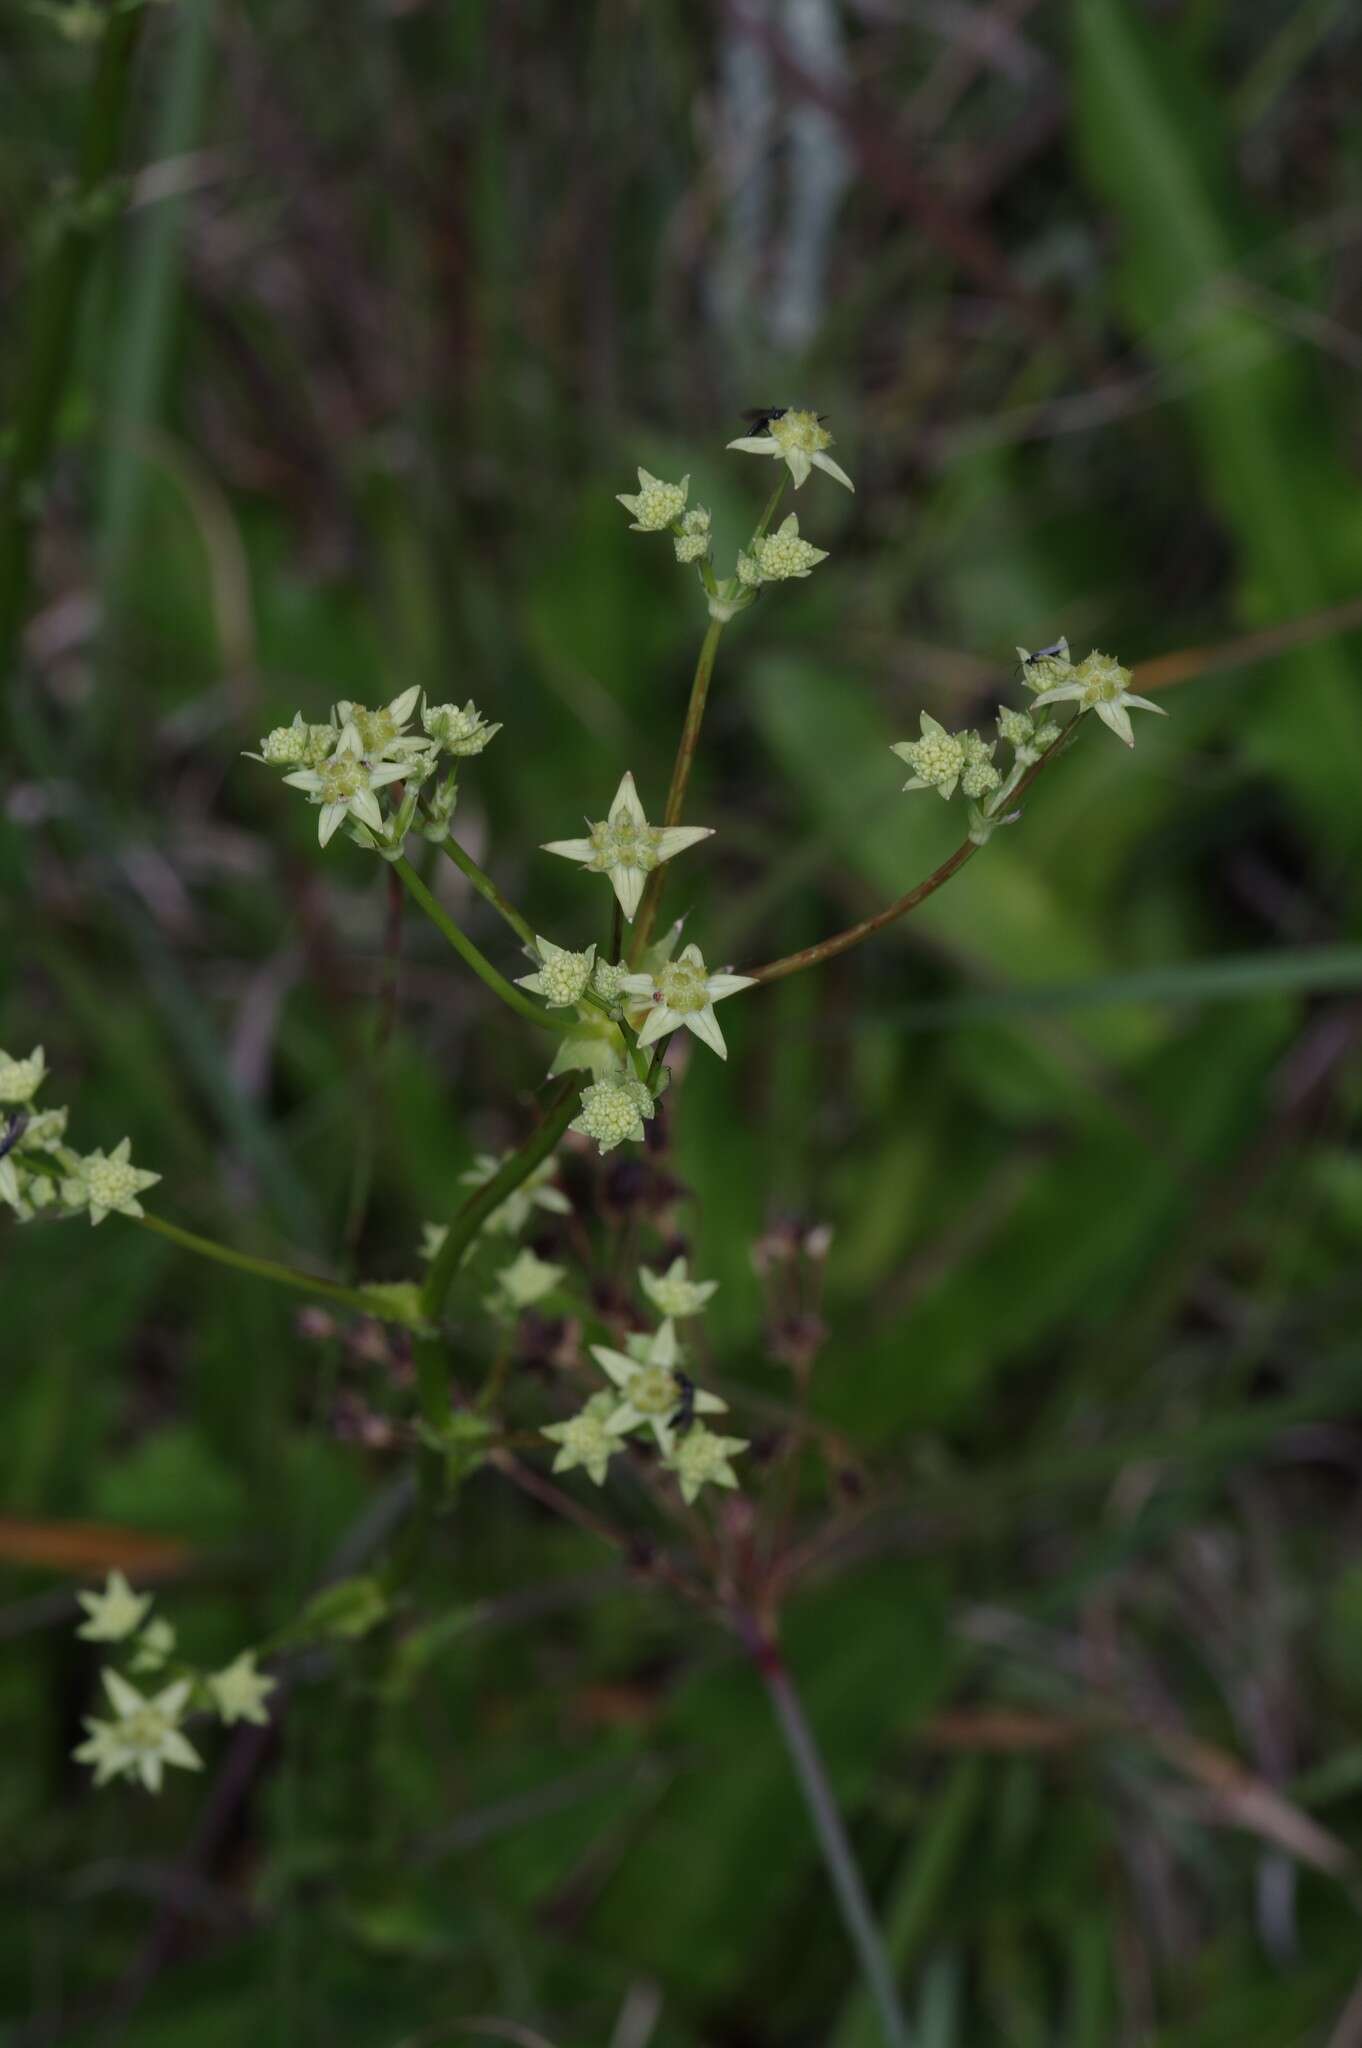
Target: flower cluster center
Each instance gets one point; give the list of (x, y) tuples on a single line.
[(342, 778), (654, 1391), (624, 843), (800, 430), (681, 986), (110, 1182)]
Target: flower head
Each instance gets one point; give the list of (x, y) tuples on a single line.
[(656, 505), (456, 732), (585, 1440), (979, 775), (521, 1283), (510, 1216), (651, 1391), (343, 786), (683, 993), (20, 1080), (938, 759), (777, 556), (608, 979), (154, 1645), (674, 1293), (143, 1739), (626, 847), (103, 1182), (613, 1109), (382, 732), (1100, 684), (692, 542), (797, 439), (699, 1458), (115, 1613), (561, 977), (239, 1691), (1048, 666)]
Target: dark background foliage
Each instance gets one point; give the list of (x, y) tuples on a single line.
[(385, 304)]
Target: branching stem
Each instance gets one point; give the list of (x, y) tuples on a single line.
[(468, 952), (479, 1206)]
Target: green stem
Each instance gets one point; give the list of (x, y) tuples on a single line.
[(479, 1206), (55, 296), (266, 1269), (841, 942), (681, 768), (771, 503), (467, 951), (487, 889), (848, 1885)]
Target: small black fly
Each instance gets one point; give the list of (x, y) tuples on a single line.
[(1057, 651), (683, 1418), (14, 1130), (759, 417)]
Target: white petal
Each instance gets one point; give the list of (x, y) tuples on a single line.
[(658, 1023), (401, 708), (709, 1404), (628, 886), (570, 849), (1058, 694), (674, 839), (620, 1368), (388, 771), (692, 952), (1117, 720), (126, 1698), (664, 1348), (533, 982), (638, 984), (833, 469), (304, 778), (625, 803), (364, 804), (756, 444), (329, 821), (721, 985), (705, 1025), (800, 465), (1145, 705)]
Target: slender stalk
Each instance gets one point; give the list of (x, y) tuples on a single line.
[(841, 942), (266, 1269), (857, 1914), (487, 888), (368, 1075), (55, 296), (493, 1193), (467, 951), (771, 503), (681, 767)]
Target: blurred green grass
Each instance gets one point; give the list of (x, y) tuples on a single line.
[(400, 297)]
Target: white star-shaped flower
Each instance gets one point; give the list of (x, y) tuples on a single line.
[(510, 1216), (106, 1182), (652, 1392), (584, 1439), (683, 993), (614, 1108), (626, 847), (1099, 683), (115, 1613), (20, 1080), (344, 785), (143, 1739), (777, 556), (797, 439), (674, 1293), (460, 733), (239, 1691), (382, 732), (699, 1458)]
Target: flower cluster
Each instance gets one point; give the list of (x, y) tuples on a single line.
[(146, 1731), (40, 1174), (651, 1392), (345, 765)]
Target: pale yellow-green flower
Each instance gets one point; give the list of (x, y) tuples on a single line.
[(144, 1737), (460, 733), (382, 731), (104, 1182), (699, 1458), (20, 1080), (510, 1216), (656, 505), (692, 542), (585, 1440), (239, 1691), (115, 1613), (626, 847), (777, 556), (561, 977), (521, 1283), (343, 786), (799, 440), (674, 1293), (154, 1646), (683, 994), (614, 1109), (1099, 683)]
